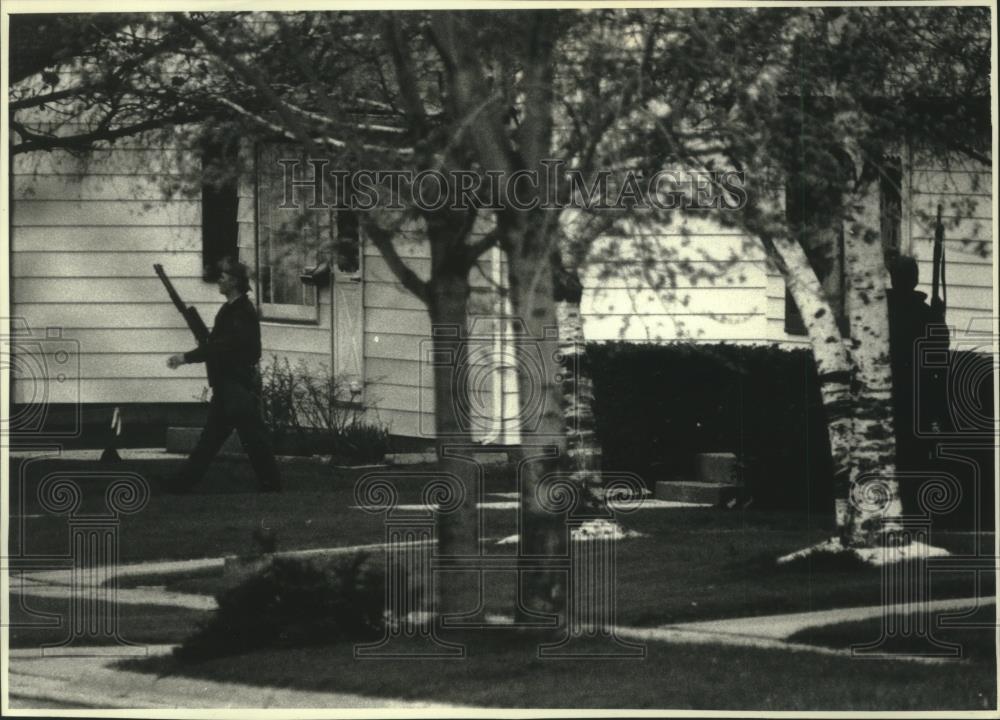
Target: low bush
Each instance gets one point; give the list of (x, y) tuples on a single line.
[(293, 603), (360, 442), (313, 412), (658, 406)]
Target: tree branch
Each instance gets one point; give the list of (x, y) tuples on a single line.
[(382, 240)]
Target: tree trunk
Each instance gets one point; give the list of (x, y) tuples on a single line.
[(458, 526), (833, 367), (582, 461), (874, 490), (544, 506)]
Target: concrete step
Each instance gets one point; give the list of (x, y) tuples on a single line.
[(696, 492), (716, 467)]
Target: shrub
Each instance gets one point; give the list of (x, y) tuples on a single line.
[(294, 603), (360, 442), (759, 402), (315, 412), (657, 406), (278, 401)]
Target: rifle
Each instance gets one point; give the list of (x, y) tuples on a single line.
[(939, 302), (190, 313)]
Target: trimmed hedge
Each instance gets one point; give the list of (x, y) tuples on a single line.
[(657, 406)]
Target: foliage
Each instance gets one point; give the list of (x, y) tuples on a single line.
[(760, 402), (293, 603), (686, 399), (278, 400), (312, 412), (360, 442)]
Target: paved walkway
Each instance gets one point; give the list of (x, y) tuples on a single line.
[(38, 680), (50, 682)]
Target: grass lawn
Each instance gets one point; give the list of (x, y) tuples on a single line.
[(142, 624), (692, 564), (503, 670), (701, 564), (974, 644), (216, 520)]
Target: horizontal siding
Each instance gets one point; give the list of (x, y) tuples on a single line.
[(107, 161), (691, 280), (953, 205), (162, 240), (278, 337), (399, 371), (650, 245), (701, 328), (378, 271), (405, 423), (102, 187), (963, 188), (389, 347), (130, 213), (127, 340), (96, 315), (119, 391), (85, 233), (133, 291), (139, 263), (612, 274)]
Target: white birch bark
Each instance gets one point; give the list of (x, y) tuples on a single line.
[(874, 491), (833, 367), (583, 461)]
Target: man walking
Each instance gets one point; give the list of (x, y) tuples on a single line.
[(231, 354)]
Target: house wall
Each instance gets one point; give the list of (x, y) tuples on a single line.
[(85, 233), (964, 190), (695, 281), (397, 331), (690, 281)]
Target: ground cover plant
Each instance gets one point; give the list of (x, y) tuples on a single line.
[(294, 603)]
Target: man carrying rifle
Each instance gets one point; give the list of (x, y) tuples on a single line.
[(917, 393), (231, 353)]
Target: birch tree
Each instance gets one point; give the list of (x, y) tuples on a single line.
[(502, 92), (755, 107)]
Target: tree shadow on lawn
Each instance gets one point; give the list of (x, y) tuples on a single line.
[(217, 519), (137, 624), (710, 564), (691, 565), (977, 644), (502, 669)]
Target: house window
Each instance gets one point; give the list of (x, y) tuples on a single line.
[(891, 206), (290, 239), (219, 205)]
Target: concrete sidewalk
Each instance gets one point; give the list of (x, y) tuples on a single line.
[(92, 679), (59, 682)]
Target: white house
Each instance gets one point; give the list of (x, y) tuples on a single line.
[(85, 232)]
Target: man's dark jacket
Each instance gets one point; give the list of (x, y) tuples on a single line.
[(232, 350)]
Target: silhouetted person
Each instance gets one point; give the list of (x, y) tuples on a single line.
[(917, 393), (231, 355)]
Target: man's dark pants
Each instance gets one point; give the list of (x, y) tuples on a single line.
[(233, 406)]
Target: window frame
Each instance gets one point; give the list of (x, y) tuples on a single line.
[(290, 313)]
